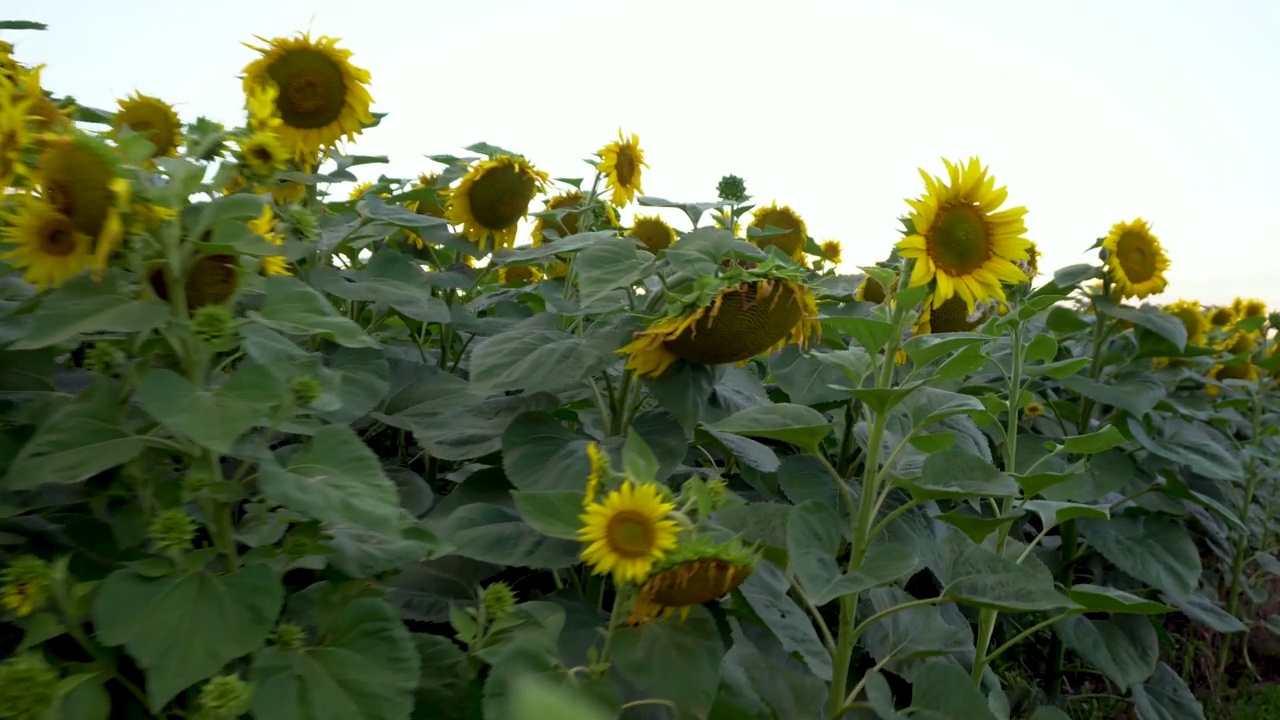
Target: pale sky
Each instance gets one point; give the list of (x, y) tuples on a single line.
[(1091, 112)]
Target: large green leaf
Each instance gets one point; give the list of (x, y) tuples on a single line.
[(1195, 445), (532, 356), (757, 679), (85, 306), (294, 308), (353, 382), (923, 349), (1205, 611), (695, 650), (82, 696), (1054, 513), (974, 575), (539, 453), (414, 301), (183, 629), (807, 379), (553, 513), (366, 669), (496, 534), (900, 639), (1154, 549), (1100, 598), (795, 424), (419, 393), (765, 590), (943, 691), (958, 474), (1150, 317), (610, 265), (1134, 393), (1122, 647), (533, 698), (476, 428), (1166, 697), (213, 419), (530, 254)]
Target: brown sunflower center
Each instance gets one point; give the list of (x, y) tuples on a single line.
[(500, 197), (630, 533), (261, 153), (655, 234), (57, 237), (953, 316), (1221, 316), (959, 241), (625, 167), (1239, 371), (569, 220), (1136, 256), (313, 89), (76, 183), (790, 241)]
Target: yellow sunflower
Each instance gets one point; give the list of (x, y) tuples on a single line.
[(519, 273), (653, 231), (627, 532), (1238, 371), (599, 469), (1188, 311), (831, 250), (265, 225), (15, 139), (1033, 410), (1246, 308), (741, 322), (493, 198), (772, 216), (960, 241), (260, 102), (263, 154), (1237, 342), (1135, 260), (696, 572), (568, 223), (152, 117), (433, 205), (322, 98), (872, 291), (1222, 316), (952, 316), (359, 190), (49, 249), (76, 176), (621, 164)]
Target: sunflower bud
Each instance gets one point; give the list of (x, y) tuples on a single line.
[(172, 529), (305, 390), (104, 359), (290, 636), (224, 697), (212, 323), (28, 685), (24, 585), (302, 220), (498, 599), (732, 189)]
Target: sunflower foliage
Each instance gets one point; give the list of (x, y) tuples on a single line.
[(279, 450)]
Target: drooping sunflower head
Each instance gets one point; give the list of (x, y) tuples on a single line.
[(1188, 311), (1221, 316), (321, 98), (493, 197), (1135, 261), (873, 292), (210, 280), (263, 154), (1237, 342), (1247, 308), (621, 163), (741, 322), (953, 316), (774, 217), (47, 246), (77, 177), (1246, 371), (569, 222), (24, 585), (960, 240), (831, 250), (627, 531), (698, 571), (152, 117), (653, 231)]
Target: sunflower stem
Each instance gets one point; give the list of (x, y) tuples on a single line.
[(615, 615), (1242, 543)]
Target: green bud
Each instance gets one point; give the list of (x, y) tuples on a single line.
[(28, 685), (104, 359), (224, 697), (212, 323), (732, 189), (24, 585), (196, 481), (305, 390), (302, 220), (172, 529), (290, 636), (498, 599)]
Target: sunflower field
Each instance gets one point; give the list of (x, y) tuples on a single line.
[(487, 443)]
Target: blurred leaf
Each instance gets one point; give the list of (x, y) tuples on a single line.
[(294, 308), (945, 691), (610, 265), (413, 301), (1100, 598), (83, 306), (1166, 697), (974, 575), (765, 590), (553, 513), (1122, 647), (476, 428), (1153, 549), (958, 474), (690, 683), (1135, 393), (1094, 442), (530, 357), (539, 453), (212, 419), (76, 442)]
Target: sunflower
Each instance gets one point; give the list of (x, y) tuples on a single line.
[(952, 316), (1238, 371), (831, 250), (1188, 311), (152, 117), (15, 138), (567, 223), (493, 197), (1221, 316), (265, 225), (1135, 260), (359, 190), (790, 242), (49, 249), (434, 204), (263, 154), (872, 291), (628, 531), (1032, 410), (518, 274), (1237, 342), (960, 241), (1246, 308), (696, 572), (76, 176), (653, 231), (24, 585), (322, 98), (211, 280), (260, 103), (621, 163), (599, 469), (741, 322)]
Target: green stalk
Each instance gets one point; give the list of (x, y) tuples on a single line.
[(1242, 545)]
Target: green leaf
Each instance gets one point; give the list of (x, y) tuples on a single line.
[(911, 634), (1100, 598), (539, 453), (1048, 712), (885, 563), (1195, 445), (530, 357), (1135, 393), (1065, 321), (958, 474), (1205, 611), (753, 454), (923, 349), (497, 534), (1150, 317), (354, 382), (533, 254), (689, 683), (1042, 348), (84, 306), (803, 477), (928, 405), (1059, 369), (336, 478), (1054, 513), (933, 442), (795, 424), (533, 698), (294, 308), (1094, 442), (974, 575), (22, 25), (1075, 274), (212, 420), (414, 301), (871, 334), (183, 629), (610, 265), (685, 391), (367, 669), (1154, 549), (76, 442), (806, 378), (476, 428), (373, 206), (765, 590), (553, 513), (1123, 647), (237, 206), (945, 691), (694, 211), (81, 697), (638, 461), (1166, 697)]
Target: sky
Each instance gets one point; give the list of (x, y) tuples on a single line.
[(1091, 112)]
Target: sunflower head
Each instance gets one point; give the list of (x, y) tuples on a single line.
[(741, 322), (263, 154), (960, 240), (1032, 410), (493, 197), (211, 280), (1247, 308), (831, 250), (566, 223), (15, 138), (152, 117), (1237, 342), (599, 471), (953, 316), (359, 190), (518, 274), (47, 246), (653, 231), (698, 571), (24, 585), (1220, 317), (434, 204), (1236, 371), (774, 217), (1134, 259), (320, 97), (873, 292), (627, 531), (1188, 311), (621, 163)]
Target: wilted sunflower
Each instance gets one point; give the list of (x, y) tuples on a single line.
[(1237, 371), (960, 241), (627, 532), (49, 250), (772, 216), (1188, 311), (152, 117), (831, 250), (696, 572), (1135, 260), (621, 163), (76, 175), (322, 98), (493, 197), (1220, 316), (952, 316), (567, 223), (653, 231), (741, 322), (263, 154)]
